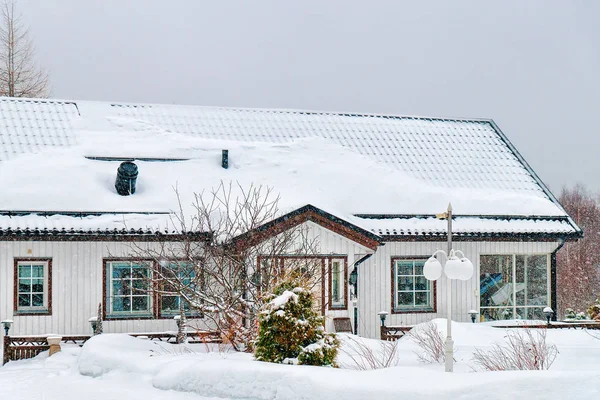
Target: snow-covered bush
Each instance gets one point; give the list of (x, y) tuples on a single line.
[(571, 314), (594, 310), (430, 340), (290, 331), (525, 349)]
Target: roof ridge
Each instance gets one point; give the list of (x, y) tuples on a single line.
[(302, 111)]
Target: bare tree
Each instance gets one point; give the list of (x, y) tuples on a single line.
[(20, 76), (578, 272), (228, 275)]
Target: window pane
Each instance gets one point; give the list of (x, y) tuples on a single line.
[(24, 300), (421, 299), (140, 285), (421, 283), (37, 285), (24, 285), (531, 313), (496, 314), (126, 303), (117, 304), (140, 303), (419, 268), (532, 275), (170, 304), (404, 267), (495, 281), (406, 283), (405, 299), (118, 288), (24, 271), (121, 271), (38, 300), (37, 271)]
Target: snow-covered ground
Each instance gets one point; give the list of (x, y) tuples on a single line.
[(122, 367)]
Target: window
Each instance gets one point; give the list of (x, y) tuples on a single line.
[(33, 283), (128, 289), (184, 279), (514, 286), (337, 279), (412, 291)]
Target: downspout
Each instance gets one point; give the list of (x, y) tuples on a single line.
[(553, 296), (356, 264)]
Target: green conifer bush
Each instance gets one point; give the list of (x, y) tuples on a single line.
[(290, 331)]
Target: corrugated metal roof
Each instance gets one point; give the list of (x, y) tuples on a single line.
[(468, 226), (445, 152), (27, 126), (467, 153)]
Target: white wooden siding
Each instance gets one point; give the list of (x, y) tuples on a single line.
[(375, 279), (77, 282), (77, 269)]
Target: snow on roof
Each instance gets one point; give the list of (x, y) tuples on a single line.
[(344, 164), (467, 226), (28, 126)]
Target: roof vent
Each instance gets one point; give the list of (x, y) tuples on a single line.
[(126, 177), (225, 159)]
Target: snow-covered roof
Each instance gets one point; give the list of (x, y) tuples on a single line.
[(345, 164), (467, 226)]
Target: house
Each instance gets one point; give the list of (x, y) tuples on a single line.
[(367, 186)]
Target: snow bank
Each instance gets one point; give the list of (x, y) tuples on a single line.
[(108, 352), (238, 376)]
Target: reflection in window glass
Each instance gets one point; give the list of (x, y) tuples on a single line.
[(513, 286)]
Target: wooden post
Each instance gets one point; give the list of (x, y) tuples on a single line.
[(5, 346), (54, 342)]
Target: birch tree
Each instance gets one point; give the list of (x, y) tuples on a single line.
[(20, 76), (227, 276)]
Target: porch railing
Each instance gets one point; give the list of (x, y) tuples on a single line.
[(23, 347), (393, 333)]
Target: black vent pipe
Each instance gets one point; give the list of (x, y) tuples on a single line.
[(126, 178), (225, 159)]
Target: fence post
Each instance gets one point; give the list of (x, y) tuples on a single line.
[(54, 342), (5, 349)]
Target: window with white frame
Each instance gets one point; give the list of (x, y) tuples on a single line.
[(514, 286), (338, 283), (412, 291), (33, 277), (128, 291), (181, 279)]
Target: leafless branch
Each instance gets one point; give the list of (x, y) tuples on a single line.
[(20, 76)]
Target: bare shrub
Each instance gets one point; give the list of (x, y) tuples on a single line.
[(431, 342), (228, 259), (365, 357), (524, 349)]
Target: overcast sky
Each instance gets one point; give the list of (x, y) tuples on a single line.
[(532, 66)]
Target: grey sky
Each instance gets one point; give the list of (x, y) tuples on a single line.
[(532, 66)]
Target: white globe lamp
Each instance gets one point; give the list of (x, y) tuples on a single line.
[(432, 269)]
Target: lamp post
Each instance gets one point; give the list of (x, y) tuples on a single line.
[(7, 324), (382, 316), (548, 313), (354, 282), (93, 323), (454, 268), (473, 315)]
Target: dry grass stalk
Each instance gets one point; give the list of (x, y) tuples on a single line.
[(431, 342), (365, 357), (524, 349)]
